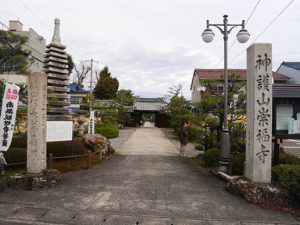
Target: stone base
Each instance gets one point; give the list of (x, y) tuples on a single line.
[(261, 194), (33, 182)]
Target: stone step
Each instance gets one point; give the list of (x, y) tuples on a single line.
[(59, 110), (55, 70), (59, 103), (56, 65), (54, 49), (56, 95), (59, 89), (55, 59), (57, 76), (56, 45), (56, 55), (58, 82)]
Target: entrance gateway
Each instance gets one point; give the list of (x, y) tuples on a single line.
[(151, 107)]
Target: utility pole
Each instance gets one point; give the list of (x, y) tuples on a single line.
[(91, 78)]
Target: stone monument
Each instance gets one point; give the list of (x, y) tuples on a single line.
[(259, 113), (37, 117), (56, 67), (37, 177)]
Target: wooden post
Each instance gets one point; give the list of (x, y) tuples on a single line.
[(89, 160), (276, 152), (50, 161)]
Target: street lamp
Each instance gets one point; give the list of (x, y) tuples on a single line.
[(208, 36)]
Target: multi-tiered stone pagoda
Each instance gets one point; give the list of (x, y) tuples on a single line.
[(56, 68)]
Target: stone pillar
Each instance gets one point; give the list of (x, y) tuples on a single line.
[(259, 113), (37, 118)]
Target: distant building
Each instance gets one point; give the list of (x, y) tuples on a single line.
[(292, 70), (36, 44), (200, 74), (77, 97)]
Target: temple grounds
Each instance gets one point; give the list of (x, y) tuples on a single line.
[(146, 182)]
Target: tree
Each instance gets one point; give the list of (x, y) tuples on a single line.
[(177, 107), (212, 103), (12, 57), (104, 72), (107, 112), (70, 63), (106, 87), (125, 97), (80, 75)]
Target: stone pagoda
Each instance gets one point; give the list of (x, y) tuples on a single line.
[(56, 68)]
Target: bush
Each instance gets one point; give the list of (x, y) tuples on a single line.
[(285, 158), (15, 155), (211, 157), (107, 130), (238, 164), (194, 133), (64, 148), (19, 142), (75, 133), (237, 132), (199, 147), (288, 177)]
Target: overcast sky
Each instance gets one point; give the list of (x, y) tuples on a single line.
[(151, 45)]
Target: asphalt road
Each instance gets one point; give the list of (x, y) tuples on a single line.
[(145, 183)]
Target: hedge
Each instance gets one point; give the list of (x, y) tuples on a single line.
[(107, 130), (289, 177), (211, 157), (15, 155)]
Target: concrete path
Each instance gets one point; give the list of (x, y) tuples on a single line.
[(145, 183)]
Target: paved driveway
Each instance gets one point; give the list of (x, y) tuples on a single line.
[(145, 183)]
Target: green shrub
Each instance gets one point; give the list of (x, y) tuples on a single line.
[(211, 157), (288, 177), (107, 130), (238, 164), (64, 148), (285, 158), (237, 132), (194, 133), (19, 142), (15, 155), (75, 133), (199, 147)]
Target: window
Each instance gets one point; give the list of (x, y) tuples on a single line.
[(76, 100)]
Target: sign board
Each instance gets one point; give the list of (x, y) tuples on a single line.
[(283, 113), (59, 131), (8, 115), (92, 123)]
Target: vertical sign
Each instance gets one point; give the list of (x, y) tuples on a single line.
[(36, 122), (259, 113), (92, 123), (8, 115)]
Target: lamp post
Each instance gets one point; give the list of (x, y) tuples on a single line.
[(208, 36)]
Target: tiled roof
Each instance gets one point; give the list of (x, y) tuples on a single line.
[(286, 91), (294, 65), (216, 74), (147, 104)]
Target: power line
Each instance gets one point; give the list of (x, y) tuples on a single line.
[(264, 30), (235, 39), (3, 24), (36, 16)]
